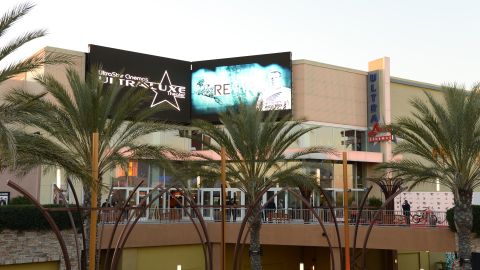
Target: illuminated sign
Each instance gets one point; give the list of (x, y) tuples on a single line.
[(170, 90), (168, 79), (164, 90), (223, 83), (376, 133), (379, 134), (199, 89), (4, 197)]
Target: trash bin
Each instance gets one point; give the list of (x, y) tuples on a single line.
[(440, 266)]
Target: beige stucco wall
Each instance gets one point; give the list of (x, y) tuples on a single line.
[(329, 94), (78, 60), (29, 182), (401, 94), (26, 81), (382, 237)]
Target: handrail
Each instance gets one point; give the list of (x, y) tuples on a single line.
[(284, 216)]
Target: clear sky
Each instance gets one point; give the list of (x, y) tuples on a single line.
[(432, 41)]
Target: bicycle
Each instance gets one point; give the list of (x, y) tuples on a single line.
[(425, 216)]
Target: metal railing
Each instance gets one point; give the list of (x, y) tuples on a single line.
[(423, 218)]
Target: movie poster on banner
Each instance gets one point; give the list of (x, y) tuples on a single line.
[(223, 83), (168, 80), (4, 197)]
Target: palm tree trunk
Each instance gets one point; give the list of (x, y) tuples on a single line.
[(255, 248), (463, 223), (86, 204)]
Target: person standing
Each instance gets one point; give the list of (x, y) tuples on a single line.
[(280, 204), (271, 207), (229, 208), (234, 209), (406, 211)]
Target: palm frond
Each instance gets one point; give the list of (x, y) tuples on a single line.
[(440, 140), (256, 146), (13, 15), (66, 120)]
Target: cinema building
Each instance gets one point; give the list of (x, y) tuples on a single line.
[(347, 105)]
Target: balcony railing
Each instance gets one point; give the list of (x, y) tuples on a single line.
[(424, 218)]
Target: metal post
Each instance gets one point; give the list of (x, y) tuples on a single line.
[(93, 203), (345, 213), (224, 199)]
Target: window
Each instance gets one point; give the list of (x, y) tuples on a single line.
[(199, 140), (132, 169)]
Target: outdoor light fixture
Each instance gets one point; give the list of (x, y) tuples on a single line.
[(318, 176), (301, 266), (179, 267), (198, 181), (59, 179), (438, 184)]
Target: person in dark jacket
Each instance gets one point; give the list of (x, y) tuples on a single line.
[(406, 211)]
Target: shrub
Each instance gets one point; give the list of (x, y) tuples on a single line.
[(374, 202), (28, 217), (20, 200), (476, 219)]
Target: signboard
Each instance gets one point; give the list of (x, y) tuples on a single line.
[(4, 197), (379, 134), (223, 83), (167, 79), (435, 201), (376, 133)]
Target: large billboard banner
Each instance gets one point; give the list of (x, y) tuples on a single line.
[(223, 83), (167, 79)]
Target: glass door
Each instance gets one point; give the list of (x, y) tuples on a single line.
[(140, 196), (207, 203), (217, 205)]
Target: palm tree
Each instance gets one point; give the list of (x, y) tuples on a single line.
[(388, 186), (441, 141), (255, 144), (8, 113), (65, 119)]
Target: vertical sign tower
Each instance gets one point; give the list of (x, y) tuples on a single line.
[(379, 107)]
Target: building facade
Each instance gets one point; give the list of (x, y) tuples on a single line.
[(346, 105)]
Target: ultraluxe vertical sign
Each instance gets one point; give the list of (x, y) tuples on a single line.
[(376, 133)]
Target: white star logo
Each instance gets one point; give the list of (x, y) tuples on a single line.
[(167, 89)]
